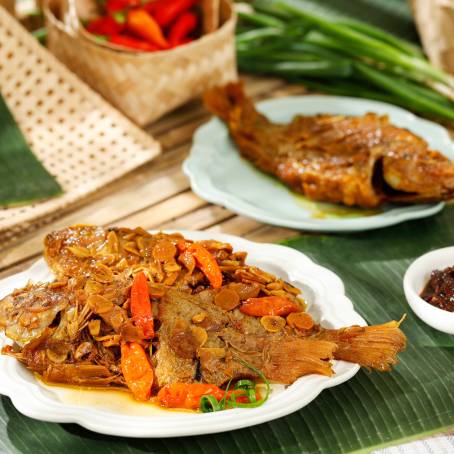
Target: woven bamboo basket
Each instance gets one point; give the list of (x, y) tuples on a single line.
[(145, 86), (78, 137)]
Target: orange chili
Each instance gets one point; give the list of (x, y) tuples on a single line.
[(268, 305), (141, 305), (207, 263), (187, 395), (142, 24), (137, 370)]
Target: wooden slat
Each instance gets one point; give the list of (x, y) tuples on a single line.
[(238, 225), (198, 220), (141, 191), (171, 208), (269, 234)]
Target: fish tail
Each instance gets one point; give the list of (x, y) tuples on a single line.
[(370, 346), (222, 101)]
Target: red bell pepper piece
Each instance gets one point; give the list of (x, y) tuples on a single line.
[(182, 27), (132, 43), (142, 24), (105, 26), (141, 305), (166, 14)]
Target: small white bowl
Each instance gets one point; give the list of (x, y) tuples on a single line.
[(415, 279)]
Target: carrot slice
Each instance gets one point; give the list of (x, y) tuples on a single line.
[(300, 320), (137, 370), (268, 305), (141, 305)]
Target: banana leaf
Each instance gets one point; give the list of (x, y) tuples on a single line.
[(370, 411), (23, 178)]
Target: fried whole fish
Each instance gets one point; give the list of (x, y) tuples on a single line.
[(73, 330), (363, 161)]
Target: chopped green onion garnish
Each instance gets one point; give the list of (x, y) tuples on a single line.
[(243, 388), (209, 404)]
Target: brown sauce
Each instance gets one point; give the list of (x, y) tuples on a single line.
[(439, 291)]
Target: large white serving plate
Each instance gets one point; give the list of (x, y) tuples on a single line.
[(106, 412), (220, 175)]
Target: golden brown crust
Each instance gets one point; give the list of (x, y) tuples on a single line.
[(364, 161)]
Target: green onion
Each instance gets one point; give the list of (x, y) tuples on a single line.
[(261, 19), (345, 57), (258, 34), (319, 68), (388, 38), (369, 46), (260, 402), (404, 90), (209, 404)]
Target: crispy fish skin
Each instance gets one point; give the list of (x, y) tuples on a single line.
[(363, 161)]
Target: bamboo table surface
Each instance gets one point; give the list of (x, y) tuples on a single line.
[(157, 195)]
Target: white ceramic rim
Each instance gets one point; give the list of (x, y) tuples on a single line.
[(329, 299), (203, 186), (415, 278)]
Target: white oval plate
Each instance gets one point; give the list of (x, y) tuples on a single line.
[(220, 175), (327, 303)]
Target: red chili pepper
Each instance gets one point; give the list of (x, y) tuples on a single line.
[(166, 14), (120, 5), (182, 27), (141, 305), (132, 43), (154, 5), (105, 26), (142, 24)]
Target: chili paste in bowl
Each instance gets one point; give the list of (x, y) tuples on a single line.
[(429, 288), (439, 290)]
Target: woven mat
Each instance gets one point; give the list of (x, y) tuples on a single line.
[(78, 137)]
